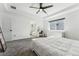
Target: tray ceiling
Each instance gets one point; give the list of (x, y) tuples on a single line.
[(25, 7)]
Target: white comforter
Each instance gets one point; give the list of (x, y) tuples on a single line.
[(56, 46)]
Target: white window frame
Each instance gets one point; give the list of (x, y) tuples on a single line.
[(56, 27)]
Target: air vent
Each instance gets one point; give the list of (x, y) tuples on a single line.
[(13, 7)]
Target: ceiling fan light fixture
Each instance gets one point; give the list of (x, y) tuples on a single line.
[(41, 7)]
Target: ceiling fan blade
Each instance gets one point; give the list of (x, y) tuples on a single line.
[(44, 11), (38, 11), (34, 7), (47, 6)]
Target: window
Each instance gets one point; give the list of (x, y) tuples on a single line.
[(57, 24)]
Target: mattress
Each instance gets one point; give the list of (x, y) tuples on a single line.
[(56, 46)]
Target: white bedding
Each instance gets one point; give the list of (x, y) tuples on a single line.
[(55, 46)]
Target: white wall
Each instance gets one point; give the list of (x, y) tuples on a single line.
[(1, 12), (21, 24), (20, 27), (3, 18), (71, 23), (6, 27)]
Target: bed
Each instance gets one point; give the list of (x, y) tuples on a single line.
[(55, 46)]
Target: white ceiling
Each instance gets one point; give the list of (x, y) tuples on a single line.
[(56, 7)]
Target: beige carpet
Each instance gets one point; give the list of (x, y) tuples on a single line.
[(27, 52), (20, 47)]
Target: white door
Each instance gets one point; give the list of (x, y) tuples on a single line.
[(6, 27)]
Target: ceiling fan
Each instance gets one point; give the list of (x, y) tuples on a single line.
[(41, 7)]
